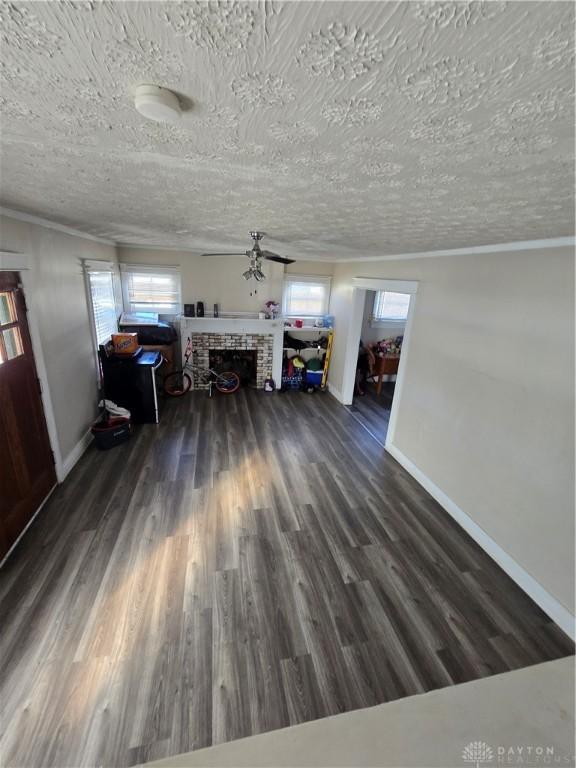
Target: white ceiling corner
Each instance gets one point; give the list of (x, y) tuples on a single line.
[(343, 129)]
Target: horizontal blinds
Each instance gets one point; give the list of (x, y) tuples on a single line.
[(306, 296), (151, 289), (103, 305), (389, 305)]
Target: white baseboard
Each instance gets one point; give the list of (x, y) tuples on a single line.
[(335, 393), (73, 457), (549, 604)]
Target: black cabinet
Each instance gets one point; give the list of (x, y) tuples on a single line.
[(131, 383)]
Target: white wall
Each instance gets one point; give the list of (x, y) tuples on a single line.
[(58, 300), (371, 334), (215, 279), (218, 279), (487, 412), (325, 268)]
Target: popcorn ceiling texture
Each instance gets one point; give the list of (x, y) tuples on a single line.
[(345, 130)]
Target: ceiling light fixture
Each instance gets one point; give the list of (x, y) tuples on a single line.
[(157, 103), (254, 271)]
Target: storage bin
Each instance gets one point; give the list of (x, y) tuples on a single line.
[(314, 377), (108, 434), (291, 382)]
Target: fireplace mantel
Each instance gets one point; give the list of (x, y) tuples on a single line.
[(231, 325), (239, 325)]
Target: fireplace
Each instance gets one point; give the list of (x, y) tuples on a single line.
[(241, 361), (264, 338), (251, 351)]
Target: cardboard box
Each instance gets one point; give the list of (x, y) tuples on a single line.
[(125, 343)]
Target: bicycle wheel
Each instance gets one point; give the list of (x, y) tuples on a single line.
[(177, 383), (227, 382)]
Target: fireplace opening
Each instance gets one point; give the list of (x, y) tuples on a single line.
[(241, 361)]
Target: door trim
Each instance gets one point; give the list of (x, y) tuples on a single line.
[(12, 261), (359, 287), (29, 523)]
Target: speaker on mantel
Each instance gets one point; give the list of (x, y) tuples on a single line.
[(199, 309), (189, 310)]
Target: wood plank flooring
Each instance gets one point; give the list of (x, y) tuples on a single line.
[(254, 561), (373, 411)]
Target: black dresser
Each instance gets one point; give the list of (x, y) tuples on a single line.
[(131, 383)]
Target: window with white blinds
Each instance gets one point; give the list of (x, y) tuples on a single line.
[(305, 296), (390, 307), (151, 289), (101, 285)]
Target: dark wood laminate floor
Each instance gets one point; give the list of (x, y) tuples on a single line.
[(252, 562), (373, 411)]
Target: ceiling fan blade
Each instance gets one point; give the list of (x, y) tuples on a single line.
[(274, 257), (223, 254), (268, 254)]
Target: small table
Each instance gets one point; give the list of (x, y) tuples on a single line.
[(385, 366)]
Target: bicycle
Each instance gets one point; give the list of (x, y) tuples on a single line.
[(179, 382)]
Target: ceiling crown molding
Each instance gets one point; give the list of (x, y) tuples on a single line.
[(31, 219), (520, 245)]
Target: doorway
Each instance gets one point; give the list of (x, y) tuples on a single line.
[(381, 338), (27, 471), (377, 347)]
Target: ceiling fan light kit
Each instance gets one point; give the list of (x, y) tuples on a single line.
[(157, 103), (256, 254)]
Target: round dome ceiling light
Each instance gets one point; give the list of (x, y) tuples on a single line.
[(157, 103)]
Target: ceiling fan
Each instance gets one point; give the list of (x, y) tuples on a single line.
[(256, 254)]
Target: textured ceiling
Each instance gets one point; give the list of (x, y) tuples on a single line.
[(342, 129)]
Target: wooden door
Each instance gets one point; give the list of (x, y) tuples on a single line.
[(27, 472)]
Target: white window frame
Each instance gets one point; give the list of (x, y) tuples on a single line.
[(310, 280), (92, 267), (126, 269), (377, 322)]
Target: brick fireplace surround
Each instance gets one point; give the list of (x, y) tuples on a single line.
[(202, 343), (236, 332)]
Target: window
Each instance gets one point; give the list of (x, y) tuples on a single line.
[(390, 307), (101, 286), (10, 338), (306, 296), (151, 289)]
